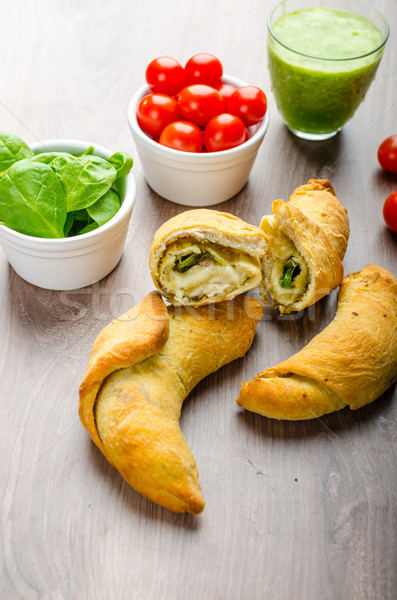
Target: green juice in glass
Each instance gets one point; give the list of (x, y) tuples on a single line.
[(322, 61)]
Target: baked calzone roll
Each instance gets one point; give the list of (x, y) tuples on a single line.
[(141, 368), (307, 241), (350, 363), (204, 256)]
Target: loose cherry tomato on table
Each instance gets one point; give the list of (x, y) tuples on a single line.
[(204, 68), (249, 103), (182, 135), (387, 154), (199, 103), (223, 132), (165, 75), (390, 211), (156, 111)]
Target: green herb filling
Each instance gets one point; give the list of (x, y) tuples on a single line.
[(187, 261), (290, 271)]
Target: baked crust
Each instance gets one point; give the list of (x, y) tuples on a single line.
[(351, 362), (131, 338), (141, 368), (317, 224), (218, 228), (318, 202)]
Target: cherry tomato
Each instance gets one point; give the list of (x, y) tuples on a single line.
[(204, 68), (387, 154), (165, 75), (390, 211), (226, 90), (156, 111), (249, 103), (199, 103), (182, 135), (223, 132)]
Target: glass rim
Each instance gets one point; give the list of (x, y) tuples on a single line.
[(358, 56)]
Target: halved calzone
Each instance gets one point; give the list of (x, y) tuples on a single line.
[(307, 241), (350, 363), (203, 256)]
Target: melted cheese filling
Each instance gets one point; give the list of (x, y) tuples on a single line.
[(283, 249), (214, 277)]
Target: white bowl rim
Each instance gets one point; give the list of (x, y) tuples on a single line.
[(54, 145), (200, 157)]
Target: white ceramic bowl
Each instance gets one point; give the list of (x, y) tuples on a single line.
[(195, 178), (75, 262)]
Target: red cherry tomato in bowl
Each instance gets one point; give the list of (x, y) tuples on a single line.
[(223, 132), (165, 75), (390, 211), (182, 135), (156, 111), (204, 68), (249, 103), (387, 154), (199, 103), (226, 90)]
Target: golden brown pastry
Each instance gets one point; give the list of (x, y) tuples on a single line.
[(141, 368), (204, 256), (307, 241), (350, 363)]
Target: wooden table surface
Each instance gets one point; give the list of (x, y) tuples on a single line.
[(294, 510)]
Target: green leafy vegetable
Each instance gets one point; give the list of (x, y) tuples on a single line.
[(80, 215), (122, 162), (89, 150), (90, 227), (84, 178), (81, 220), (32, 200), (105, 208), (68, 224), (48, 157), (58, 194), (184, 263), (290, 270), (12, 149)]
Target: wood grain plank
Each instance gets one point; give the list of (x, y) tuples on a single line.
[(293, 510)]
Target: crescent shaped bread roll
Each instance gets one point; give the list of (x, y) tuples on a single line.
[(203, 256), (350, 363), (141, 368), (307, 241)]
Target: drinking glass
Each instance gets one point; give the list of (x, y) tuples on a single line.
[(316, 95)]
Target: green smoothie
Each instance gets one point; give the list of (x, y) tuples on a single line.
[(322, 61)]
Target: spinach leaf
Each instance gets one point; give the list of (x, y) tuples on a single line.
[(90, 227), (48, 157), (87, 151), (184, 263), (68, 224), (122, 162), (84, 179), (81, 219), (12, 149), (290, 270), (81, 215), (32, 200), (99, 213), (105, 208)]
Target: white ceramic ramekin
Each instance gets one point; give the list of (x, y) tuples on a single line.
[(190, 178), (75, 262)]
